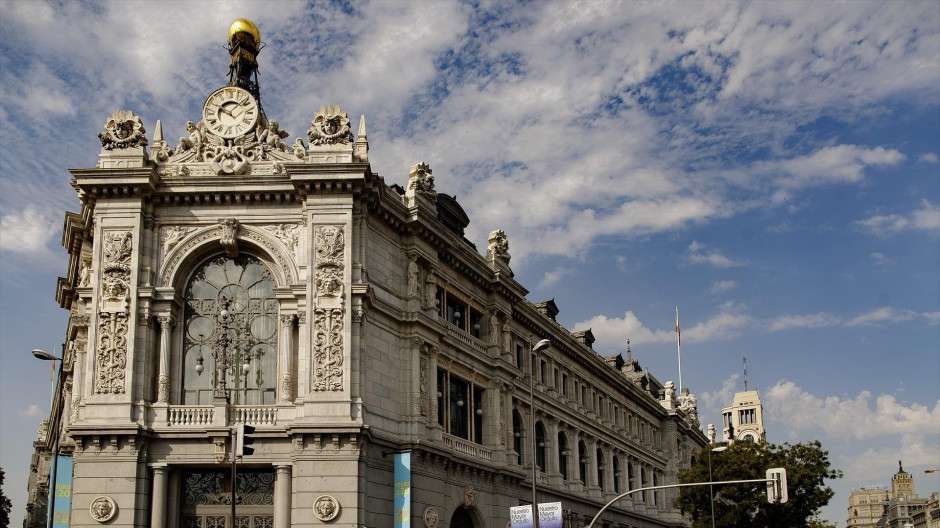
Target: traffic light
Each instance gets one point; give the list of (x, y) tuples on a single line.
[(243, 440), (777, 485)]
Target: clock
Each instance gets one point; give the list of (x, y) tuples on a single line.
[(230, 112)]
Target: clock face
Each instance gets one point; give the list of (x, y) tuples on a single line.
[(230, 112)]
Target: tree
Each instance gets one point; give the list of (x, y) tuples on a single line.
[(807, 466), (5, 505)]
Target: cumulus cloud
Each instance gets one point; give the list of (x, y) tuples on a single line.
[(885, 314), (864, 416), (33, 411), (928, 157), (26, 231), (716, 400), (725, 324), (818, 320), (878, 316), (552, 277), (927, 217)]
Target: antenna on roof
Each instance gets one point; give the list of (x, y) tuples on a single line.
[(744, 358)]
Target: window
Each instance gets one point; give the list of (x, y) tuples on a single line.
[(563, 455), (747, 416), (582, 461), (601, 468), (460, 407), (542, 368), (520, 356), (540, 446), (517, 435), (555, 378), (631, 484), (617, 475), (458, 313), (564, 384), (240, 348)]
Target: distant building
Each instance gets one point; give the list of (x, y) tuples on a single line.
[(899, 507), (744, 420), (866, 507)]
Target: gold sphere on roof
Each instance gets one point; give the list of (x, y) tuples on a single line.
[(243, 25)]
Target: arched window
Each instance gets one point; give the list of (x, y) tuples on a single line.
[(601, 468), (582, 461), (517, 435), (617, 474), (230, 333), (540, 446), (563, 455), (630, 483)]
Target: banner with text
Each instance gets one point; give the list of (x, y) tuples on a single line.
[(550, 515), (62, 505), (403, 490), (521, 517)]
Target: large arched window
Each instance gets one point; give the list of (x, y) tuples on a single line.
[(582, 461), (230, 332), (601, 468), (517, 435), (540, 446), (617, 474), (563, 455)]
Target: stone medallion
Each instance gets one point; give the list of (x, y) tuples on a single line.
[(326, 508), (103, 509)]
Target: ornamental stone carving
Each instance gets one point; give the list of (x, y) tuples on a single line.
[(498, 248), (330, 245), (430, 291), (122, 130), (172, 236), (272, 137), (421, 181), (111, 353), (326, 508), (423, 385), (288, 234), (469, 497), (414, 288), (330, 126), (430, 517), (229, 233), (328, 350), (103, 509)]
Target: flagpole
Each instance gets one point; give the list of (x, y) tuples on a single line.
[(679, 349)]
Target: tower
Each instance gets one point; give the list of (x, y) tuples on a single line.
[(744, 420)]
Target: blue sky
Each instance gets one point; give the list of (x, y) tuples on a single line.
[(771, 168)]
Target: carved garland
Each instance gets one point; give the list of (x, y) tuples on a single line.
[(328, 354), (111, 354)]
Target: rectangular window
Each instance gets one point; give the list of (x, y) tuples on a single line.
[(520, 356), (460, 407), (543, 365), (555, 379), (564, 384)]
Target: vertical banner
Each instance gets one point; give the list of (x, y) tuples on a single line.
[(521, 516), (62, 505), (550, 515), (403, 490)]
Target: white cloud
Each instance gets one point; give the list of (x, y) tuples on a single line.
[(927, 217), (818, 320), (698, 255), (928, 157), (879, 258), (859, 417), (885, 314), (552, 277), (932, 317), (721, 286), (717, 400), (33, 411), (27, 230)]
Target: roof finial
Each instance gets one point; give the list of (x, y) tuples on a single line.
[(244, 43)]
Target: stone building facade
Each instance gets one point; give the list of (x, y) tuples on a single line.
[(744, 420), (235, 277)]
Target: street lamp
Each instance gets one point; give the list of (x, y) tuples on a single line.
[(540, 346), (53, 429), (711, 487)]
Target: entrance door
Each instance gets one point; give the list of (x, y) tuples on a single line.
[(461, 519), (207, 503)]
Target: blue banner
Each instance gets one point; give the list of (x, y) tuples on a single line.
[(403, 490), (62, 501)]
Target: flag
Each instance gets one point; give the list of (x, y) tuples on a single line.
[(678, 335)]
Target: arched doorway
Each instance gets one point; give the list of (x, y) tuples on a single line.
[(462, 519)]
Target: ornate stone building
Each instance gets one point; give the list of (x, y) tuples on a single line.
[(236, 277), (744, 420)]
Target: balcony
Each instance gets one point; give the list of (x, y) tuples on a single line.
[(196, 416), (190, 415), (468, 448)]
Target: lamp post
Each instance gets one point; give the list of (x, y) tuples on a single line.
[(711, 487), (53, 429), (540, 346)]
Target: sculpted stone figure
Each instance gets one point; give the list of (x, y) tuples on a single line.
[(413, 277), (325, 508), (271, 138), (194, 141)]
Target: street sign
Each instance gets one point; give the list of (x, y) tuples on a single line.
[(777, 485)]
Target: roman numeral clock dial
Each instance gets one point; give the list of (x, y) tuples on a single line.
[(230, 112)]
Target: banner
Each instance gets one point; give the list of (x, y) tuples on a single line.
[(550, 515), (521, 516), (62, 503), (403, 490)]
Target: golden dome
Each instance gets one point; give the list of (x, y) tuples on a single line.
[(243, 25)]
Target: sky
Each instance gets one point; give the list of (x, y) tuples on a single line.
[(769, 168)]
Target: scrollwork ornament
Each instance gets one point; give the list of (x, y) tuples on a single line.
[(326, 508), (328, 351), (103, 509), (330, 245), (123, 130)]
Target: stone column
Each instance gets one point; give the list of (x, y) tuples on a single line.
[(166, 323), (592, 461), (159, 505), (551, 446), (282, 494), (287, 346), (432, 384)]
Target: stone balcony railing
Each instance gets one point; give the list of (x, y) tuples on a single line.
[(468, 448), (205, 415)]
